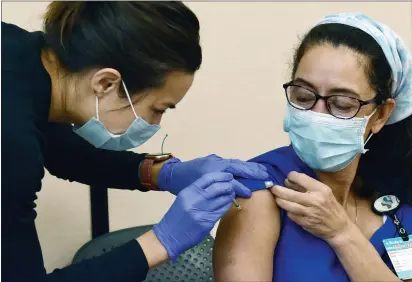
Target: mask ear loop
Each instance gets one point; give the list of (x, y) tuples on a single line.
[(371, 134), (128, 98), (366, 150), (97, 108)]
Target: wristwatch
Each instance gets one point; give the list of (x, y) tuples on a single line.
[(146, 168)]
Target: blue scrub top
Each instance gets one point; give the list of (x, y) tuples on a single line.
[(300, 256)]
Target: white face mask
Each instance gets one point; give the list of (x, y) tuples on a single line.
[(324, 142), (96, 133)]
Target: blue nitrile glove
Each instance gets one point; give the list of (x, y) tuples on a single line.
[(196, 210), (176, 175)]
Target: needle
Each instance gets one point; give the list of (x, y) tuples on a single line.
[(237, 205)]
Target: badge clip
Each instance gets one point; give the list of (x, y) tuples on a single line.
[(388, 205)]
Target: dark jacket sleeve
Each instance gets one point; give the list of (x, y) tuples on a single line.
[(22, 171), (24, 111), (126, 263), (70, 157)]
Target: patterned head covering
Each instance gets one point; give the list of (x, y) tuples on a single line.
[(396, 52)]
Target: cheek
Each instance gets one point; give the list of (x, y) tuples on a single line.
[(117, 122), (153, 117), (148, 115), (145, 110), (366, 110), (157, 118)]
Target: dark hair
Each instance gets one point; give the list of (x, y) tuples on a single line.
[(144, 41), (387, 167)]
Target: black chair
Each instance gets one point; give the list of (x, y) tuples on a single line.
[(193, 265)]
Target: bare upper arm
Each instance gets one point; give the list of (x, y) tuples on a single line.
[(246, 240)]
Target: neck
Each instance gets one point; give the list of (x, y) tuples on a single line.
[(340, 181), (57, 111)]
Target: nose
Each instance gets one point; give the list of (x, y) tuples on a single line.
[(320, 107)]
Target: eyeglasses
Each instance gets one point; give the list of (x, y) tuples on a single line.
[(339, 105)]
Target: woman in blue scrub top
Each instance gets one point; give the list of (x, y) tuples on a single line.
[(349, 121)]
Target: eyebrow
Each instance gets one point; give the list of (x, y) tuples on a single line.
[(333, 90)]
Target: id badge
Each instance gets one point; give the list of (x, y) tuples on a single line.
[(400, 253)]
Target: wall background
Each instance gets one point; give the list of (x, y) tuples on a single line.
[(234, 109)]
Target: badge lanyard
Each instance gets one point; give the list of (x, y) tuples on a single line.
[(388, 205), (399, 249)]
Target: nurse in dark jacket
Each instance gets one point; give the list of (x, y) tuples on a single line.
[(95, 83)]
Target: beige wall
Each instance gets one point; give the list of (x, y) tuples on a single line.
[(234, 109)]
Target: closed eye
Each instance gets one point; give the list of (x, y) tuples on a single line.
[(159, 112)]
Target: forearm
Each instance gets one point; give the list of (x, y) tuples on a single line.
[(154, 251), (359, 258)]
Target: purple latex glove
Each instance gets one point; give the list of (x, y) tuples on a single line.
[(176, 175), (196, 210)]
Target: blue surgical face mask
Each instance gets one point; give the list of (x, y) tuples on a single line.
[(324, 142), (97, 134)]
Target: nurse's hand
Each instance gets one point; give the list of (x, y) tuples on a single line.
[(312, 205), (196, 210), (176, 175)]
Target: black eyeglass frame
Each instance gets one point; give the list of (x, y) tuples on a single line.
[(326, 98)]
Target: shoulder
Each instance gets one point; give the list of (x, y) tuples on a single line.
[(281, 161), (278, 155), (26, 95), (14, 35), (7, 29), (10, 29), (19, 47)]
